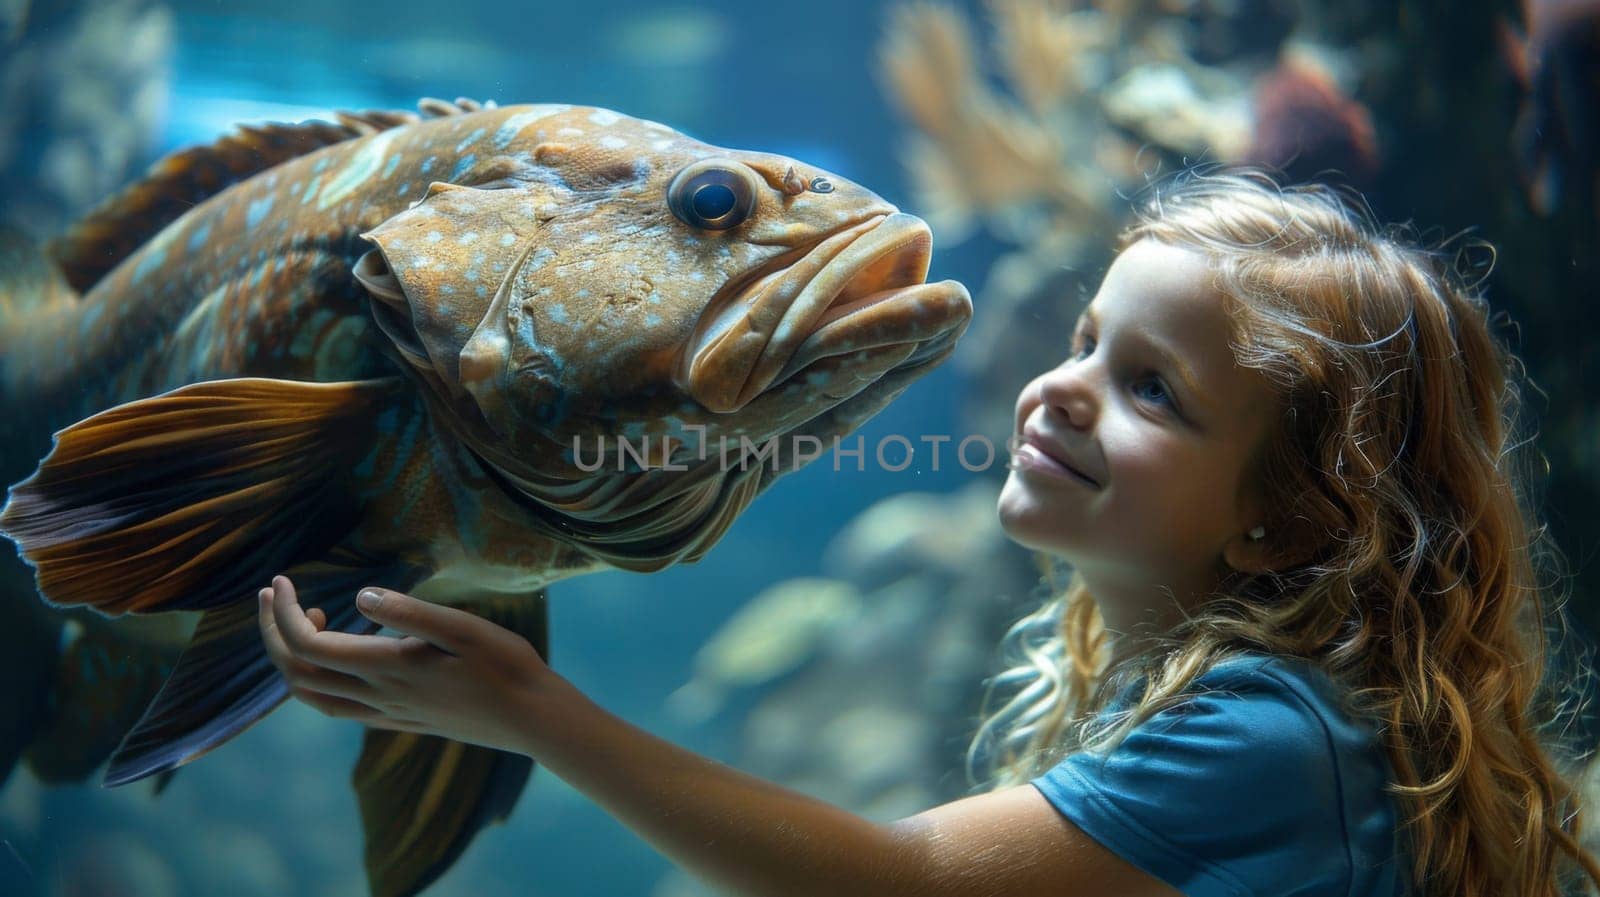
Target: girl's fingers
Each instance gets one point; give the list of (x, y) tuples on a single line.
[(334, 684), (358, 712), (300, 639), (452, 630), (332, 706), (302, 675), (277, 651)]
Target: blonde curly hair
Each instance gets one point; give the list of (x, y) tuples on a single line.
[(1409, 566)]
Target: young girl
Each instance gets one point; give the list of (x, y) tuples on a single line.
[(1302, 650)]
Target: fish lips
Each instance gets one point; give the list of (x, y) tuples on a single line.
[(848, 310)]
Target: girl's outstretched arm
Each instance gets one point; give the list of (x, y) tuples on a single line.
[(462, 677)]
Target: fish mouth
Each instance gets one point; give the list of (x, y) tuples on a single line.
[(848, 310), (391, 311)]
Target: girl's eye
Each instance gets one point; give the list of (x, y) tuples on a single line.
[(1166, 398), (1161, 395)]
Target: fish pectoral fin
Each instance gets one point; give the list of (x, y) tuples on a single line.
[(424, 798), (193, 499), (224, 682)]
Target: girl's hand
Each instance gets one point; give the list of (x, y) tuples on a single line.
[(452, 674)]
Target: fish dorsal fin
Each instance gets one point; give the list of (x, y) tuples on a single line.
[(180, 181)]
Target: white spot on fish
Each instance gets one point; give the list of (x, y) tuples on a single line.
[(361, 166), (569, 132), (420, 261), (507, 239), (697, 275), (652, 320), (604, 117), (591, 238), (155, 254), (434, 236), (471, 139), (538, 259), (511, 127), (199, 237), (468, 238), (613, 142), (558, 313), (661, 144)]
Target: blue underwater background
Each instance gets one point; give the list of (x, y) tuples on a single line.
[(272, 813)]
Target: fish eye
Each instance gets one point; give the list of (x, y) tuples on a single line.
[(712, 195)]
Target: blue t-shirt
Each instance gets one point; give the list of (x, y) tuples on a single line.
[(1258, 785)]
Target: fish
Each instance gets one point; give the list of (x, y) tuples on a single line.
[(386, 349)]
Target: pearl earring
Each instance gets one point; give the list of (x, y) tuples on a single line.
[(1258, 533)]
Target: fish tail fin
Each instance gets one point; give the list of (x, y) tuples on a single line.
[(424, 798), (31, 286), (223, 682)]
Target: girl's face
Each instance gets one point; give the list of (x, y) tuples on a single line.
[(1157, 420)]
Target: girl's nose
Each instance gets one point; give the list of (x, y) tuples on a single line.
[(1067, 392)]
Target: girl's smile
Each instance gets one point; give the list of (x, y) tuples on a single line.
[(1034, 453)]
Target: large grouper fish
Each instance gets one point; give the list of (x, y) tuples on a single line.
[(386, 349)]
